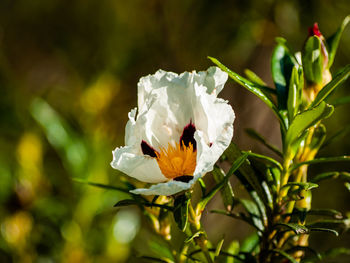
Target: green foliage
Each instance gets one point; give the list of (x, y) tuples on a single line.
[(313, 60), (282, 64)]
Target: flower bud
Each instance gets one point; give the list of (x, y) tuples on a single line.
[(315, 63)]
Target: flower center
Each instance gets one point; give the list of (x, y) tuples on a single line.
[(177, 161)]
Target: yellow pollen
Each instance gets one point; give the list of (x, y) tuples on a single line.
[(177, 161)]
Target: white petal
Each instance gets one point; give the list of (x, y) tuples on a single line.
[(141, 167), (215, 80), (168, 188), (167, 102)]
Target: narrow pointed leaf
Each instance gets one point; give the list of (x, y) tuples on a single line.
[(181, 204), (266, 159), (298, 229), (326, 90), (226, 191), (127, 202), (257, 80), (255, 135), (302, 186), (333, 41), (307, 119), (237, 163), (218, 248), (252, 87), (331, 175), (320, 229), (281, 68), (103, 186), (293, 94), (322, 160)]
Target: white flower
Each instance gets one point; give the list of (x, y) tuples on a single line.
[(180, 131)]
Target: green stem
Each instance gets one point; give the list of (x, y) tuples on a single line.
[(201, 240)]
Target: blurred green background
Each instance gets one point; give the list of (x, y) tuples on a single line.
[(68, 77)]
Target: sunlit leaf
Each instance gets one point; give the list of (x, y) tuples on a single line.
[(307, 119), (303, 186), (296, 84), (252, 87), (282, 64), (313, 60), (326, 90), (333, 41)]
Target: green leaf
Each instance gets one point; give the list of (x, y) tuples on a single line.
[(305, 120), (266, 159), (218, 248), (313, 60), (318, 137), (233, 249), (195, 235), (322, 160), (250, 243), (297, 228), (127, 202), (203, 186), (326, 90), (285, 255), (226, 192), (237, 163), (331, 175), (302, 186), (282, 64), (181, 204), (252, 87), (255, 135), (254, 212), (333, 41), (326, 212), (103, 186), (330, 225), (296, 84), (255, 78), (320, 229)]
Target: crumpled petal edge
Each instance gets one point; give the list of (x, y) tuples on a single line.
[(169, 188)]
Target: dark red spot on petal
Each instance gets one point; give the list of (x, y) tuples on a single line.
[(184, 178), (148, 149), (187, 136), (314, 31)]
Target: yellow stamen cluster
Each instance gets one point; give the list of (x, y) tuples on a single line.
[(177, 161)]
